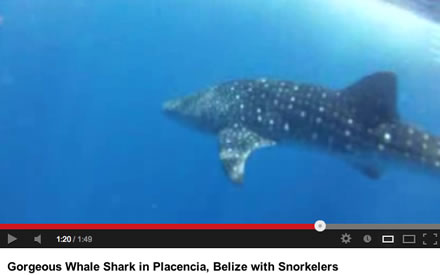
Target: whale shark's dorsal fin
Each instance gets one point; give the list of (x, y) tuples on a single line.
[(236, 144), (373, 99)]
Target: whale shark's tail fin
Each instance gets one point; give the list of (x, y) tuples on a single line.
[(373, 99)]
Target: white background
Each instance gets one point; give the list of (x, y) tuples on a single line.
[(350, 261)]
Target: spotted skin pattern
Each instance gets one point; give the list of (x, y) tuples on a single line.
[(360, 122)]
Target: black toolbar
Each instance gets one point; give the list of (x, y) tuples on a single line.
[(219, 239)]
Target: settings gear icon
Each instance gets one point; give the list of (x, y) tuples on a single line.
[(346, 238)]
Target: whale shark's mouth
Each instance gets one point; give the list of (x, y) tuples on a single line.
[(171, 105)]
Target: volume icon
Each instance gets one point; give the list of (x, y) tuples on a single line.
[(37, 239)]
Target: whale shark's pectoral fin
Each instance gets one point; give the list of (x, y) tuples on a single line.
[(236, 144)]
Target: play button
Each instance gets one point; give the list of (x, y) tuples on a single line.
[(11, 239)]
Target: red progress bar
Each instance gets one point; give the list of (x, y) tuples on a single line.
[(156, 226)]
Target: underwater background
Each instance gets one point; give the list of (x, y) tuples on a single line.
[(83, 138)]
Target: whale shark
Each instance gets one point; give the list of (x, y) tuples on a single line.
[(359, 123), (429, 9)]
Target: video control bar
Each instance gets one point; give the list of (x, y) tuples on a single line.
[(249, 238)]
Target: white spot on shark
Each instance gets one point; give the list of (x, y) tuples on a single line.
[(387, 137)]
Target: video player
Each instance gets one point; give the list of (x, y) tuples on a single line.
[(236, 134)]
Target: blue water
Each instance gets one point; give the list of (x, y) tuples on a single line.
[(83, 139)]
